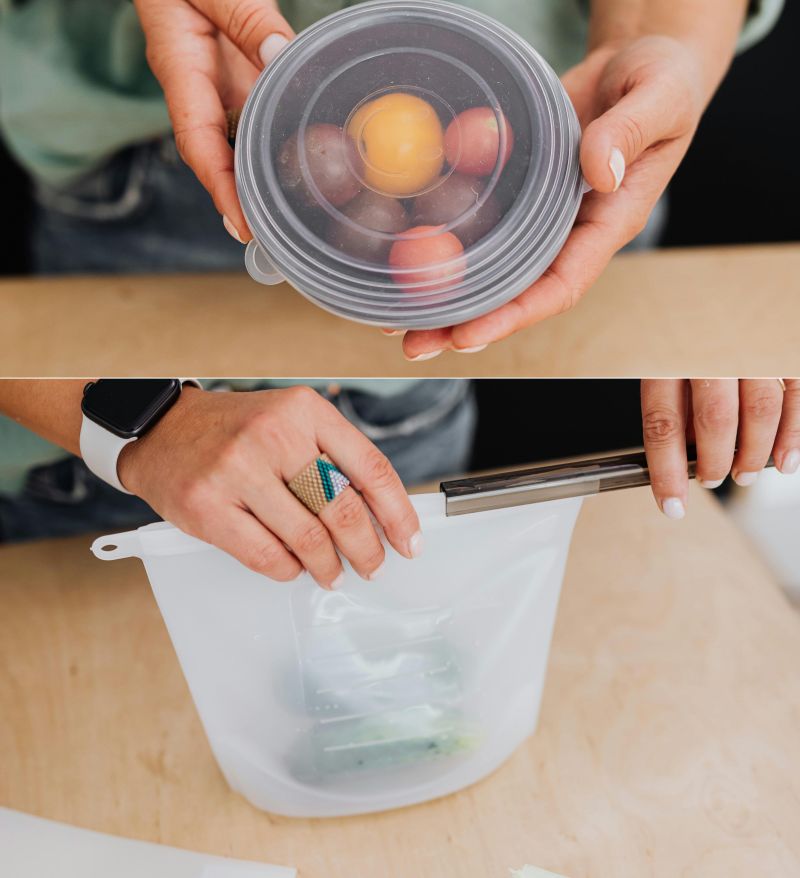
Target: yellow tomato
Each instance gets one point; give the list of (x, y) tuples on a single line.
[(400, 139)]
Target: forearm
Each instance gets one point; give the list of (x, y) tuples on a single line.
[(50, 408), (710, 28)]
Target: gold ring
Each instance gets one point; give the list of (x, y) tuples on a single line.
[(319, 483)]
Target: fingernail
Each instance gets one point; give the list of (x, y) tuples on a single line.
[(230, 228), (420, 357), (617, 164), (271, 47), (744, 480), (415, 545), (480, 347), (376, 573), (673, 508), (791, 462), (393, 331), (337, 583), (707, 483)]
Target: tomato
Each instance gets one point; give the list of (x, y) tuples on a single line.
[(330, 161), (453, 198), (472, 141), (435, 260), (371, 213), (400, 140)]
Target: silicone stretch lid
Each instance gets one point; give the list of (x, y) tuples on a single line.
[(408, 164)]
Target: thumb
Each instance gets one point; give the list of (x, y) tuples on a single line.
[(646, 115), (256, 27)]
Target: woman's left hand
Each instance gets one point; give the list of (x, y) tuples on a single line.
[(735, 425), (639, 104)]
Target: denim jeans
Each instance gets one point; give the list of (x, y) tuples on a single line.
[(145, 211), (427, 433)]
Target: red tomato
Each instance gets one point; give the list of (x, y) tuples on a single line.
[(427, 260), (472, 141)]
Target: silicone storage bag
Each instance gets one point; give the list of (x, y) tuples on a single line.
[(378, 695)]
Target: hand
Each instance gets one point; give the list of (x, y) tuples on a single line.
[(639, 104), (735, 425), (207, 54), (217, 466)]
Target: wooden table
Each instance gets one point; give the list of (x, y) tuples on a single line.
[(710, 312), (668, 744)]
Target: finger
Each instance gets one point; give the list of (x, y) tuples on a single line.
[(348, 522), (715, 415), (425, 344), (603, 226), (664, 430), (238, 74), (760, 405), (653, 111), (183, 53), (297, 527), (580, 83), (255, 26), (200, 126), (587, 252), (373, 475), (787, 442), (240, 534)]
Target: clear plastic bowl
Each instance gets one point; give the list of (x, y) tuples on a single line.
[(351, 155)]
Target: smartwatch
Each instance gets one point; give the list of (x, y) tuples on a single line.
[(117, 412)]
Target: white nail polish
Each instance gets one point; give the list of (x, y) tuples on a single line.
[(271, 47), (707, 483), (480, 347), (230, 228), (791, 462), (744, 480), (337, 583), (415, 545), (376, 573), (673, 508), (617, 164), (420, 357)]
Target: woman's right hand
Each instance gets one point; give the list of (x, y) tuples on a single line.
[(217, 466), (207, 54)]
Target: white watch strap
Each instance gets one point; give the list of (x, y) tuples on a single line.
[(100, 450)]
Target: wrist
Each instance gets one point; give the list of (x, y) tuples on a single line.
[(709, 32), (136, 458)]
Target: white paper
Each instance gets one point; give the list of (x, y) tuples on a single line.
[(31, 847)]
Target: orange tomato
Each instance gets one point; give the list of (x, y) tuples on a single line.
[(400, 139)]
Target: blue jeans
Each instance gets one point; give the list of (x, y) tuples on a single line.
[(145, 211), (427, 433)]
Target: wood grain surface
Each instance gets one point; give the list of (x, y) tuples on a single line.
[(714, 312), (668, 744)]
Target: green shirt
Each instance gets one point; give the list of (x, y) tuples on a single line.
[(75, 86)]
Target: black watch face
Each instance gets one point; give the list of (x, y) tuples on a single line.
[(128, 407)]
